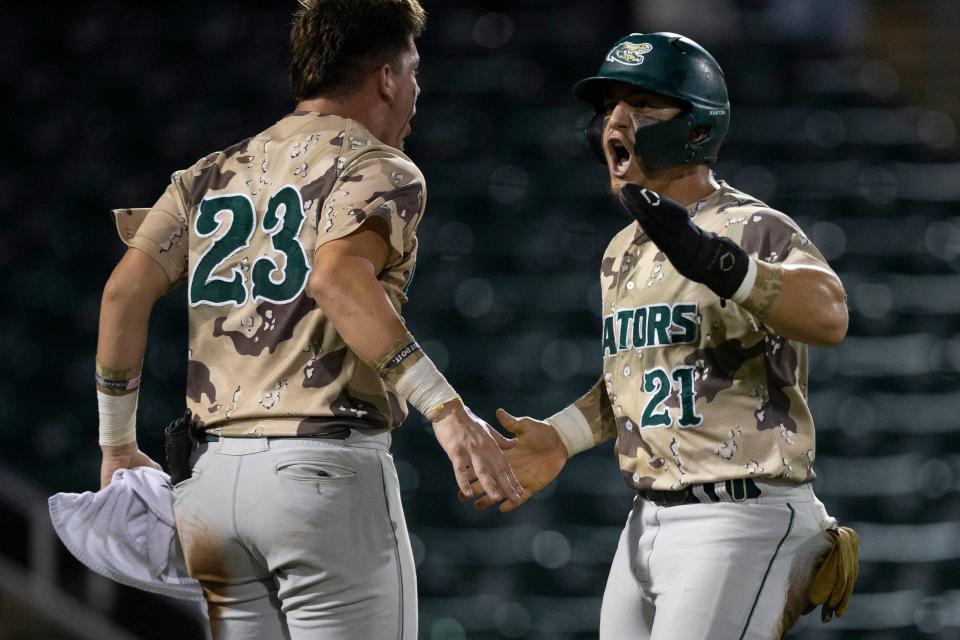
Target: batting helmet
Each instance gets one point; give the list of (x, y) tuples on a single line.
[(672, 65)]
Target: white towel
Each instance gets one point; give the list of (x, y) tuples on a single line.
[(127, 532)]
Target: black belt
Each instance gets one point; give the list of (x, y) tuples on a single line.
[(736, 490)]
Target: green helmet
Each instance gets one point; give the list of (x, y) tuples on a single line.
[(672, 65)]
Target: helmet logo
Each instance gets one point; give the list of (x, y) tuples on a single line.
[(629, 53)]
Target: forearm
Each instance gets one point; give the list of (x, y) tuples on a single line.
[(357, 305), (122, 335), (587, 422), (128, 298), (121, 341), (798, 302)]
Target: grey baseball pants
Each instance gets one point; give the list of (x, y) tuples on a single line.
[(299, 538), (717, 571)]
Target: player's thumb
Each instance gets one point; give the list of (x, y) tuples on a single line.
[(510, 423), (502, 441)]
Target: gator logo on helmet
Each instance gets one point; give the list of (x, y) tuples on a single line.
[(630, 53)]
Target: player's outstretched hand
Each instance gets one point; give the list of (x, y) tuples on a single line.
[(701, 256), (126, 456), (476, 451), (536, 458)]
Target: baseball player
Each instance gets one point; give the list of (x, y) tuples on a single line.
[(297, 247), (710, 298)]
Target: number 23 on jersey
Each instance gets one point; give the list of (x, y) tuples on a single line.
[(282, 222)]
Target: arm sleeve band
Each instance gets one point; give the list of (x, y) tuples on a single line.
[(573, 429), (743, 291), (118, 418), (423, 386)]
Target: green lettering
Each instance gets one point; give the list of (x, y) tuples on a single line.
[(684, 316), (688, 397), (639, 328), (658, 325), (609, 342), (657, 382), (283, 229), (206, 288), (623, 320), (284, 234)]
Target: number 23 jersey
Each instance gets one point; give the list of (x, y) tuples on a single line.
[(241, 227), (700, 390)]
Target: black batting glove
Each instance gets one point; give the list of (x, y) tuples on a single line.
[(701, 256)]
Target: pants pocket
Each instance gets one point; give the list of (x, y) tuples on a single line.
[(315, 471)]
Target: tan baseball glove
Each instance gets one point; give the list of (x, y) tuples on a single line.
[(833, 583)]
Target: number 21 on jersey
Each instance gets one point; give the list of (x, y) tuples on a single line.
[(659, 384), (282, 222)]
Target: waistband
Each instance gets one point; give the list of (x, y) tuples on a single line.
[(736, 490), (243, 446), (297, 427), (341, 434)]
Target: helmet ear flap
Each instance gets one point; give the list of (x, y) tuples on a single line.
[(594, 133)]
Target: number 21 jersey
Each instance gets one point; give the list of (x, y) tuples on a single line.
[(701, 390)]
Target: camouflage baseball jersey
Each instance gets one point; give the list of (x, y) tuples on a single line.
[(695, 388), (241, 227)]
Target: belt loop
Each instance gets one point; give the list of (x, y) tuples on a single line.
[(737, 488), (700, 492), (722, 488), (242, 446)]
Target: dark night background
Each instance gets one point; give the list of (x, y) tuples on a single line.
[(844, 116)]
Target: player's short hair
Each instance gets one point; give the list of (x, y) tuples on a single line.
[(336, 43)]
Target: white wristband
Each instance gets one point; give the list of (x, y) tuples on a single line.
[(423, 386), (573, 429), (748, 281), (118, 418)]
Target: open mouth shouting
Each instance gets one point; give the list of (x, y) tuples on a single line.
[(618, 157)]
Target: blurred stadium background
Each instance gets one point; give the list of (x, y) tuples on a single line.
[(844, 116)]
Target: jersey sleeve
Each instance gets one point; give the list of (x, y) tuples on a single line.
[(774, 237), (376, 184), (587, 422), (160, 232)]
